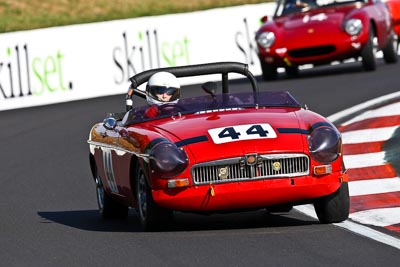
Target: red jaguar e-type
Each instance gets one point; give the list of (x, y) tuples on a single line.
[(323, 31), (215, 152)]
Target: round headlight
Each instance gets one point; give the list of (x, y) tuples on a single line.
[(353, 26), (325, 144), (266, 39), (167, 160)]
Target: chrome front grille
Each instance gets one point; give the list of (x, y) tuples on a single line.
[(242, 169)]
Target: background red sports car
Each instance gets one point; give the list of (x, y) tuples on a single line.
[(322, 31)]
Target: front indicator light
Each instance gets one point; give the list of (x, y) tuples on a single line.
[(322, 169), (178, 183), (356, 45), (344, 178), (281, 51)]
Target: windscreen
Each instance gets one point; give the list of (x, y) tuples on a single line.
[(286, 7), (217, 103)]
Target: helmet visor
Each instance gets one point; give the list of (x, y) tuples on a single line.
[(157, 91)]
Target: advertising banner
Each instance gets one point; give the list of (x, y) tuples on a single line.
[(60, 64)]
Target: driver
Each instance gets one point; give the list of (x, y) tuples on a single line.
[(162, 88), (297, 5)]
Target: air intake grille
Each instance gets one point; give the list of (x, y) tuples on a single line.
[(312, 51), (237, 169)]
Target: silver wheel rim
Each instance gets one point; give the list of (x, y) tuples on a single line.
[(142, 196), (395, 42), (100, 193), (375, 45)]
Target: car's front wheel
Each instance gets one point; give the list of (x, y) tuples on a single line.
[(269, 71), (280, 208), (108, 207), (151, 216), (334, 207), (292, 71), (368, 53), (390, 50)]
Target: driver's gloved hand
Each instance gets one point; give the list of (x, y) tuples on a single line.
[(152, 112)]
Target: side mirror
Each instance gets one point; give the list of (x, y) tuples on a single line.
[(264, 19), (110, 123), (210, 88)]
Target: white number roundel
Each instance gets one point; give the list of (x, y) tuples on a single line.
[(241, 132)]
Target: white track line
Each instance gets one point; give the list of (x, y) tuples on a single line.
[(378, 217), (356, 228), (389, 110), (375, 186), (364, 160), (346, 112), (368, 135)]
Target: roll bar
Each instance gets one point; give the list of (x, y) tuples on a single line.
[(193, 70)]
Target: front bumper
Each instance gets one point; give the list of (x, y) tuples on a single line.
[(301, 50), (248, 194)]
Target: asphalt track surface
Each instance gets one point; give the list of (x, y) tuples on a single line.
[(49, 212)]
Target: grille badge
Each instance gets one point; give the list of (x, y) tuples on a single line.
[(251, 159), (276, 166), (223, 173)]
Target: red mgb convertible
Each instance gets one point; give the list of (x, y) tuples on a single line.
[(216, 152), (323, 31)]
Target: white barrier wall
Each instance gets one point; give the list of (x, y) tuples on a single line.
[(61, 64)]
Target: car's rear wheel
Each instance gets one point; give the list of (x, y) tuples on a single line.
[(368, 53), (390, 50), (108, 207), (335, 207), (151, 216), (269, 71)]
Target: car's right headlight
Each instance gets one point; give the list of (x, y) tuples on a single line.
[(266, 39), (167, 160), (353, 26), (325, 144)]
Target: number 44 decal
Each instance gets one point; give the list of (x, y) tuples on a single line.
[(241, 132)]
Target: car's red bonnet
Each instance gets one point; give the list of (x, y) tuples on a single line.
[(318, 25), (192, 131)]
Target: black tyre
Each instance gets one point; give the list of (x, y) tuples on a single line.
[(151, 216), (269, 71), (368, 53), (390, 50), (292, 72), (109, 208), (335, 207), (280, 208)]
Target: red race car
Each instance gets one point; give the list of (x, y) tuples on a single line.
[(215, 152), (394, 8), (323, 31)]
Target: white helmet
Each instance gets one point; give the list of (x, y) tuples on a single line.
[(162, 83)]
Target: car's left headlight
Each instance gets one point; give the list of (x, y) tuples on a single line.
[(266, 39), (353, 26), (167, 160), (325, 144)]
